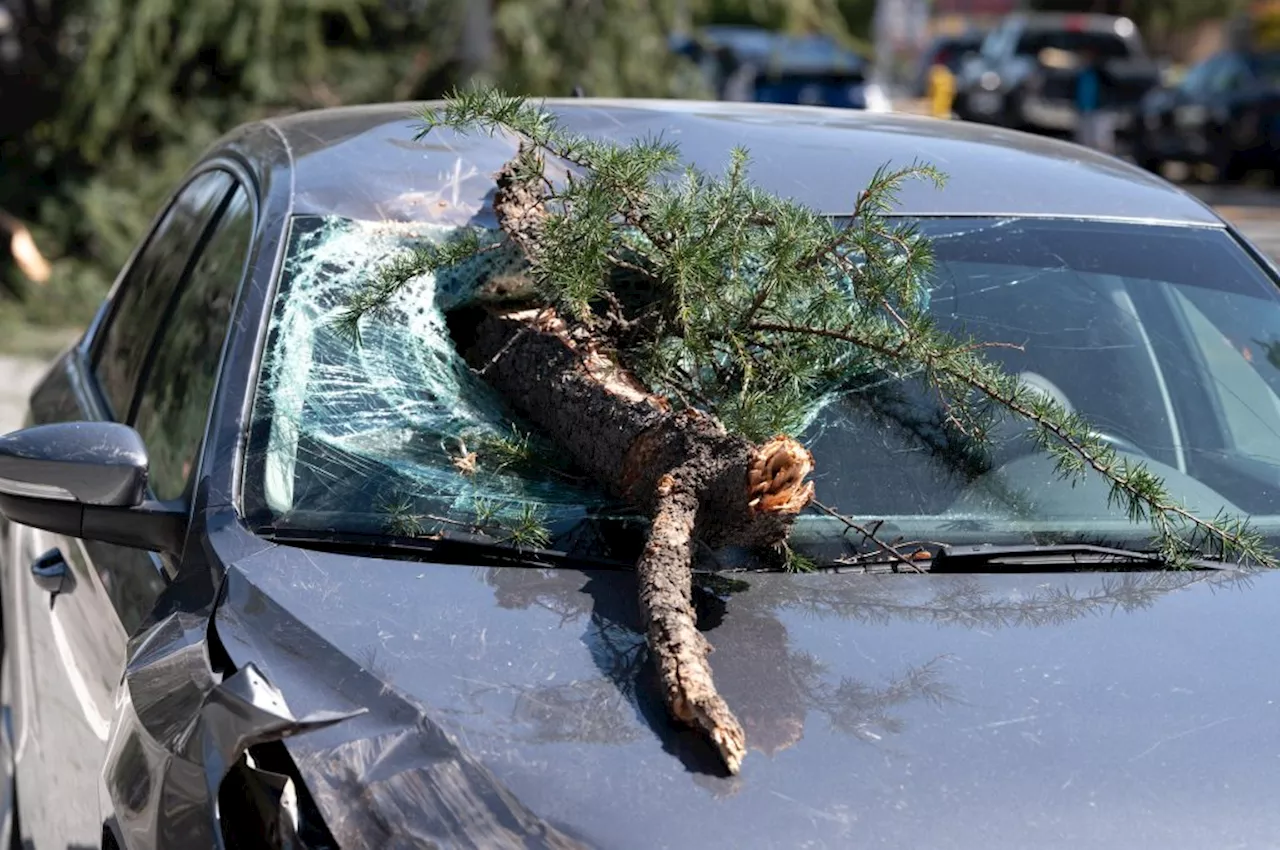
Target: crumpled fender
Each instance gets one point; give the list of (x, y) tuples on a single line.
[(179, 727)]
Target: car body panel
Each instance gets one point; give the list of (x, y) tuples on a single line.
[(477, 683), (949, 711), (69, 656), (821, 157)]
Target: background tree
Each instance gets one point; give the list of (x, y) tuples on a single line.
[(107, 102)]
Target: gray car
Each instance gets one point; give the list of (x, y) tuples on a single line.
[(246, 601)]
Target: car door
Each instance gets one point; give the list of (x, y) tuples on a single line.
[(154, 366)]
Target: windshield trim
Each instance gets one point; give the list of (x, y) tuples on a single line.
[(1220, 224)]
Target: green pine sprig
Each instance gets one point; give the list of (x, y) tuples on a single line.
[(758, 310)]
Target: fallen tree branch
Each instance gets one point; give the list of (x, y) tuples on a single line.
[(697, 481)]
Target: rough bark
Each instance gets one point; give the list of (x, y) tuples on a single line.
[(683, 469), (694, 479)]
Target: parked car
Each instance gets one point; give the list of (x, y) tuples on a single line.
[(950, 51), (1225, 113), (747, 63), (1025, 73), (242, 606)]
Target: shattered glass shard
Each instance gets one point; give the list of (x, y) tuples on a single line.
[(387, 427)]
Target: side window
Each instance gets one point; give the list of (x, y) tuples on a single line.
[(176, 391), (148, 288)]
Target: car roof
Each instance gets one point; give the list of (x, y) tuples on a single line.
[(363, 162)]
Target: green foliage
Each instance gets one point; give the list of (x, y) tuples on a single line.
[(132, 91), (141, 88), (529, 531), (514, 449), (402, 520), (795, 562), (723, 264), (395, 274), (756, 309)]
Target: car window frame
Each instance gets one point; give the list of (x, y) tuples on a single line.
[(168, 565), (93, 339), (96, 335), (206, 236)]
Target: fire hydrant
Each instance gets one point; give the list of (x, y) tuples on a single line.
[(942, 91)]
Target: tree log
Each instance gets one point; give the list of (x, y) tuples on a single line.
[(694, 479), (697, 482)]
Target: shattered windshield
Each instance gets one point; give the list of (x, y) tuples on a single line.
[(1166, 339)]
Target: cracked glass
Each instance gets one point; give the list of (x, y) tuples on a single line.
[(1166, 338)]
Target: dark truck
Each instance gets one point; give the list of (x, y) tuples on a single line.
[(1024, 76)]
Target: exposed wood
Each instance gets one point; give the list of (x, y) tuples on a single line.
[(697, 481), (694, 479)]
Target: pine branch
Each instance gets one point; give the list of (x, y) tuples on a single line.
[(678, 329), (809, 304), (394, 276), (1133, 486)]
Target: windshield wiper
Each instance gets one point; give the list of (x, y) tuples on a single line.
[(446, 549), (1054, 557)]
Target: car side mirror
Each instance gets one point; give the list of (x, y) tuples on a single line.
[(87, 480)]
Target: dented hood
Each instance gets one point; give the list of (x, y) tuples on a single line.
[(515, 707)]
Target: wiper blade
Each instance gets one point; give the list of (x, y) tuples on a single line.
[(1050, 558), (446, 549)]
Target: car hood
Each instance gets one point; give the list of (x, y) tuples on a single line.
[(516, 706)]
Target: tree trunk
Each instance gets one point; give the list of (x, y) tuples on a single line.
[(694, 479)]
